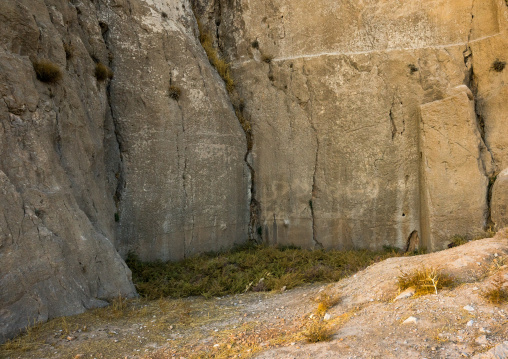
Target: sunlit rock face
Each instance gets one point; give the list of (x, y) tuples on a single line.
[(371, 119)]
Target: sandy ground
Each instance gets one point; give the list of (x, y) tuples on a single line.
[(367, 321)]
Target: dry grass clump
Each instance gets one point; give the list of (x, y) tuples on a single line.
[(241, 269), (47, 71), (318, 330), (496, 293), (424, 280), (174, 92), (102, 72), (222, 67), (267, 58), (69, 50), (326, 301), (412, 68), (498, 65)]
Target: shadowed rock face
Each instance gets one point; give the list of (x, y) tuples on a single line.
[(360, 136), (88, 164)]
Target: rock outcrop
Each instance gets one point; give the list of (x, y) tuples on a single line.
[(367, 124), (150, 161), (339, 95)]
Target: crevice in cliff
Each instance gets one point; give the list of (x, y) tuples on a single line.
[(392, 121), (120, 170), (223, 68), (312, 202), (485, 152), (184, 174)]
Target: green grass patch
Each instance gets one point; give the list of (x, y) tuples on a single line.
[(251, 268)]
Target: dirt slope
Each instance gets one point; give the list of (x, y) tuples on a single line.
[(366, 323)]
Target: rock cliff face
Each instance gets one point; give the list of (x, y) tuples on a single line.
[(372, 123), (151, 160)]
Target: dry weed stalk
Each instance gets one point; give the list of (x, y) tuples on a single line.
[(425, 280)]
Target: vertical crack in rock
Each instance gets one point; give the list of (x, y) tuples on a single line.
[(485, 151), (120, 171), (255, 232), (392, 120), (312, 203)]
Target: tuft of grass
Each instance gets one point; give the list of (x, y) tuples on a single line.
[(318, 331), (69, 50), (498, 65), (222, 67), (424, 280), (267, 58), (255, 44), (102, 72), (241, 269), (47, 71), (412, 68), (496, 293), (246, 126), (29, 341), (457, 240), (326, 301), (174, 92)]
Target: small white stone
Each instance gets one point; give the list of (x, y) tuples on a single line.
[(470, 323), (410, 320), (327, 317), (468, 308), (406, 294)]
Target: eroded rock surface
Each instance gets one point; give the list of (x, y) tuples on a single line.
[(336, 92), (88, 164)]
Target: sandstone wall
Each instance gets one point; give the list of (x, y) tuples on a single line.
[(335, 92)]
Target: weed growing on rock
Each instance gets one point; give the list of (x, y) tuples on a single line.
[(69, 50), (425, 281), (174, 92), (222, 67), (102, 72), (47, 71), (241, 269), (498, 65), (412, 68), (267, 58)]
